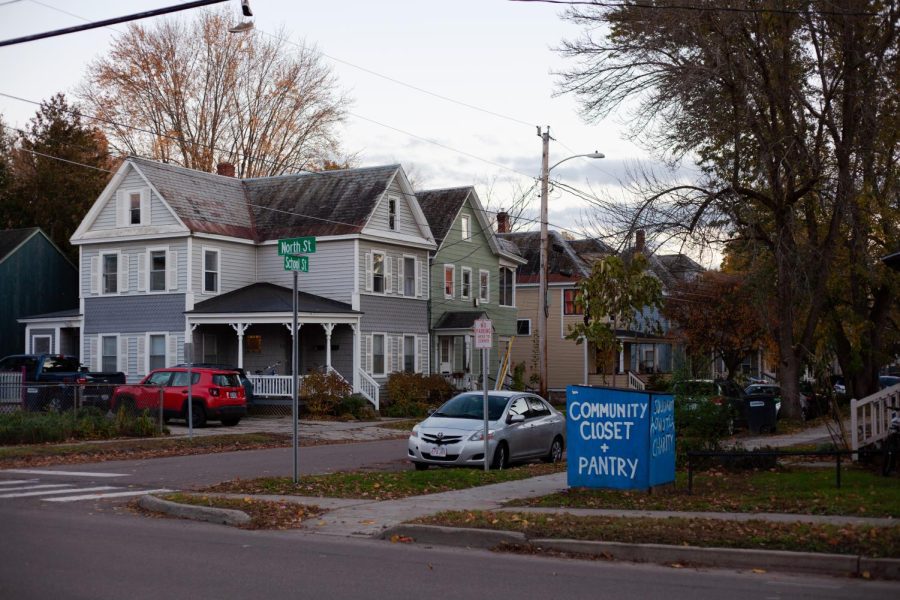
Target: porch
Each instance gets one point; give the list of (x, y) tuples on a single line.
[(251, 328), (639, 358), (457, 360)]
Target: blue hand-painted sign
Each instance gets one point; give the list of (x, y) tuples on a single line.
[(623, 439)]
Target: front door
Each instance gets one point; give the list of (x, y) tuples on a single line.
[(446, 354)]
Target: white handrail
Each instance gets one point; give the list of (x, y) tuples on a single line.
[(870, 418), (272, 385), (369, 388), (634, 382)]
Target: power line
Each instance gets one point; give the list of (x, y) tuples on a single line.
[(106, 22), (733, 9)]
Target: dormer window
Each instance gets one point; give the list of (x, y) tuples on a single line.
[(392, 214)]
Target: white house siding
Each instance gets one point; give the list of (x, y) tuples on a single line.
[(393, 254), (159, 212), (133, 250), (405, 222), (237, 266), (330, 270), (133, 363)]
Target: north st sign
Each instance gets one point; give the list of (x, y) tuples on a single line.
[(300, 245)]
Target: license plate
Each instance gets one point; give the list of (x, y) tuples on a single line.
[(232, 394), (439, 451), (757, 403)]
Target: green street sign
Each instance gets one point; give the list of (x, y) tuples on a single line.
[(300, 245), (296, 263)]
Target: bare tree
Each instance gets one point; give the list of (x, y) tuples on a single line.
[(515, 200), (775, 102), (192, 93)]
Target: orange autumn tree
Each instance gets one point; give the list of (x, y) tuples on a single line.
[(717, 315)]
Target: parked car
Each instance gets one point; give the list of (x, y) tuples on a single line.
[(51, 381), (721, 392), (521, 426), (766, 389), (242, 376), (886, 381), (217, 395)]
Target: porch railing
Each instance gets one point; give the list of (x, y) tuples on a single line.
[(870, 418), (272, 385), (369, 388), (11, 388), (635, 382)]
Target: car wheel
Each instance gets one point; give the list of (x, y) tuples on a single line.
[(231, 421), (556, 451), (501, 457), (198, 415), (420, 466)]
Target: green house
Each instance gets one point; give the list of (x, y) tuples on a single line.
[(473, 275), (35, 278)]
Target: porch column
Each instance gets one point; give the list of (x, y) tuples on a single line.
[(356, 357), (328, 327), (240, 328), (622, 359), (291, 329)]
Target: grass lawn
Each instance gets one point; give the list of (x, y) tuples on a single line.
[(798, 491), (55, 454), (383, 485), (263, 514), (844, 539)]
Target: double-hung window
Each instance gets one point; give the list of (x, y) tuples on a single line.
[(465, 291), (571, 306), (158, 270), (378, 272), (109, 357), (466, 228), (507, 287), (110, 273), (409, 276), (392, 214), (449, 280), (409, 353), (484, 285), (378, 354), (211, 271), (134, 208), (157, 354)]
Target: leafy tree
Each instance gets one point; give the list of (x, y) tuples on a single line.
[(59, 167), (194, 94), (783, 106), (618, 293), (717, 315)]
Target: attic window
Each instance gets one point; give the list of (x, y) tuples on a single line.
[(466, 230), (134, 208), (392, 214)]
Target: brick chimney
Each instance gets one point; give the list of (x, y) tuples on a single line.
[(502, 222), (640, 240), (225, 168)]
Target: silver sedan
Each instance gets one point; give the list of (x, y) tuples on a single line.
[(521, 426)]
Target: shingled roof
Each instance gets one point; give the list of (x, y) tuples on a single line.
[(267, 297), (441, 207), (562, 261), (10, 239), (265, 208)]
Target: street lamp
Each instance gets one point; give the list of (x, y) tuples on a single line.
[(543, 309)]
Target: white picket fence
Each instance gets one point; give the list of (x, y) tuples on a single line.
[(870, 418), (11, 389)]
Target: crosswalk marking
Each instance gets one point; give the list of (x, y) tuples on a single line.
[(65, 473), (107, 495), (35, 487), (16, 481), (68, 490)]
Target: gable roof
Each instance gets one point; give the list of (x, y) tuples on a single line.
[(563, 263), (441, 207), (11, 239)]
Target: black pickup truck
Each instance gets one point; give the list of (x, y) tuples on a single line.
[(56, 381)]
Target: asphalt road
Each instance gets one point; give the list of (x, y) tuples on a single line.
[(64, 555)]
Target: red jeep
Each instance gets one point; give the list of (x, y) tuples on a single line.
[(217, 395)]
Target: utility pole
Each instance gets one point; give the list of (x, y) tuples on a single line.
[(542, 296)]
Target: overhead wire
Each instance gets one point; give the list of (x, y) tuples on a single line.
[(698, 8)]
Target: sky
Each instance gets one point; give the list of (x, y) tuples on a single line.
[(496, 55)]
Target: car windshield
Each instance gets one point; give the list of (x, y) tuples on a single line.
[(471, 406)]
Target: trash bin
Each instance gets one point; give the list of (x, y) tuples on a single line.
[(760, 412)]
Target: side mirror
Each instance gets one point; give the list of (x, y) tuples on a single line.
[(515, 419)]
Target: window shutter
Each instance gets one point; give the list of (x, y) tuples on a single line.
[(145, 207), (418, 276), (367, 353), (121, 206), (142, 355), (93, 353), (388, 285), (424, 365), (400, 273), (398, 353), (123, 354), (172, 270), (94, 274), (369, 275), (172, 355), (142, 272), (123, 273)]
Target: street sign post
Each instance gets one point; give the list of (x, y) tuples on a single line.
[(293, 251), (484, 339), (300, 245)]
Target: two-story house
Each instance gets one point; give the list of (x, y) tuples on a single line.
[(171, 256), (473, 275)]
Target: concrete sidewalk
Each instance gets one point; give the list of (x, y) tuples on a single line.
[(811, 436), (342, 431)]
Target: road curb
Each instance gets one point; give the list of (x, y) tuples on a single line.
[(733, 558), (454, 536), (223, 516)]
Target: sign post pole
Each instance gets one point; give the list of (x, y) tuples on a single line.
[(295, 403), (484, 337)]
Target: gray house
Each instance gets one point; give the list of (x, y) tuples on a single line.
[(169, 255)]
